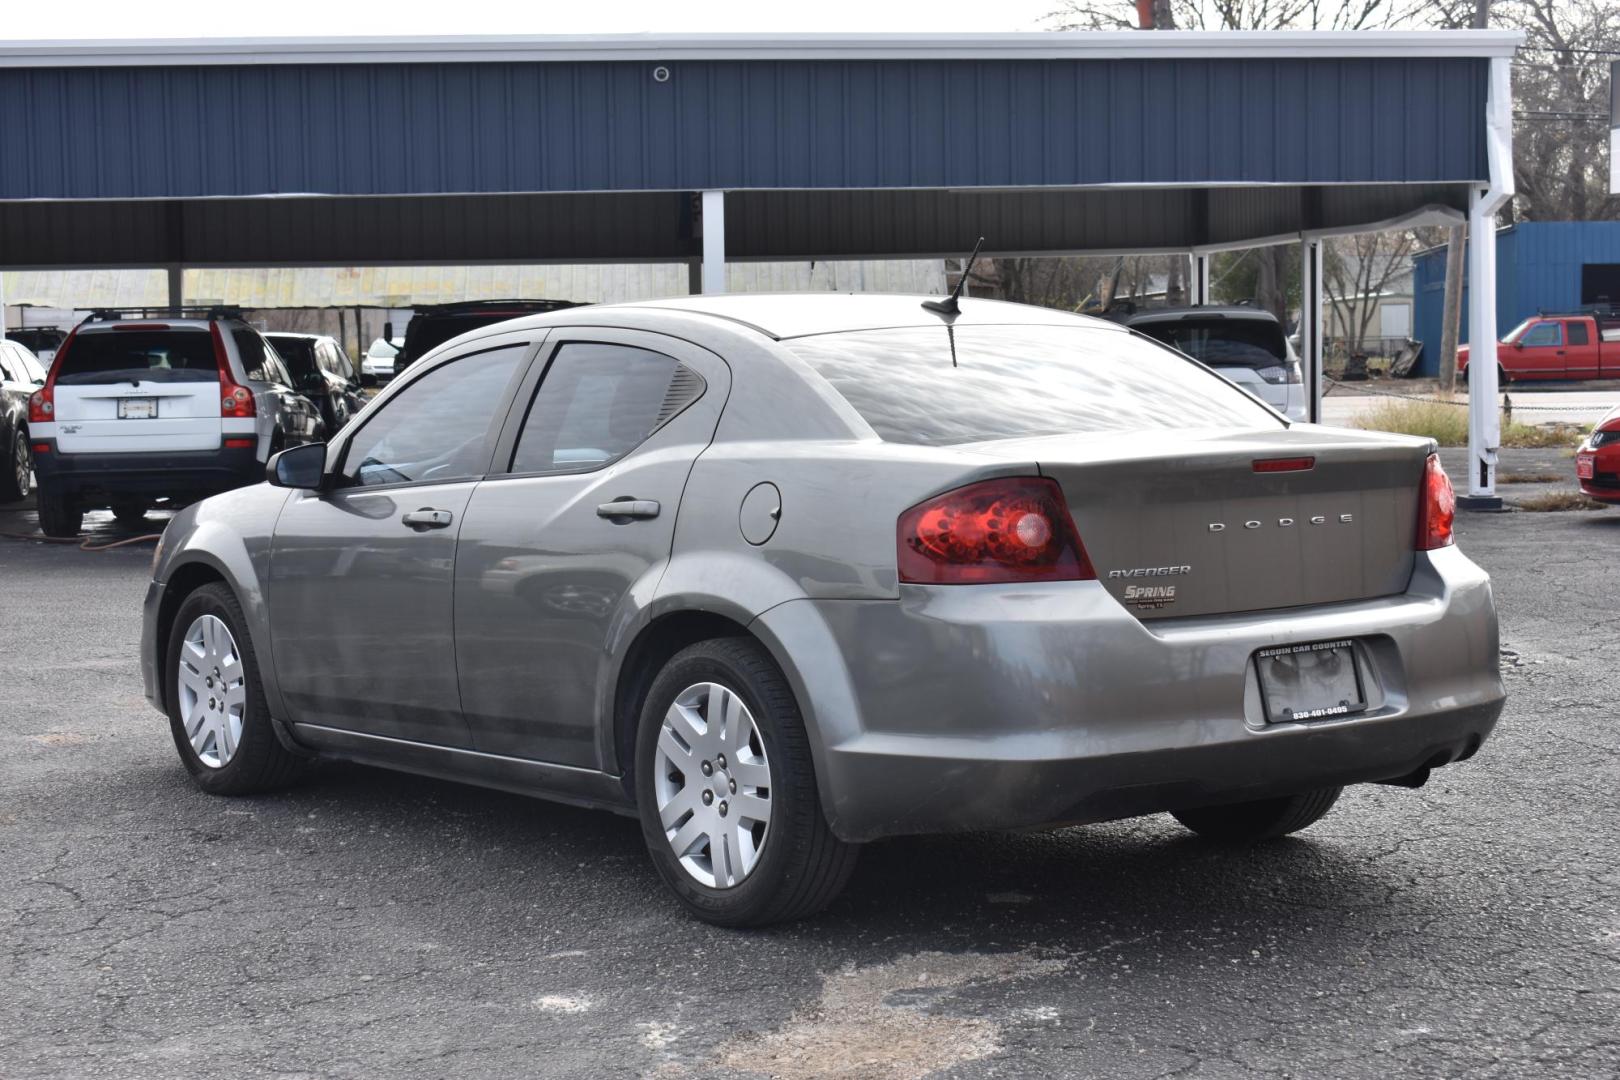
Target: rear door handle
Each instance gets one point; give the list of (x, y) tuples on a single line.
[(428, 518), (628, 508)]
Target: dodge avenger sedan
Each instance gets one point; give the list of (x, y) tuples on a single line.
[(779, 575)]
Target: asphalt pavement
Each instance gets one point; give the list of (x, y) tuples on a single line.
[(371, 925)]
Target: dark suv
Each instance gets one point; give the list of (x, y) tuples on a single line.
[(432, 325)]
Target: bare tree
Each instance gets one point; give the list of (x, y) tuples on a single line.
[(1239, 14), (1356, 272)]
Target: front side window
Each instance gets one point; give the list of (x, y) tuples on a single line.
[(597, 403), (1542, 334), (936, 386), (438, 427)]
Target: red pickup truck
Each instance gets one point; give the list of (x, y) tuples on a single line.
[(1557, 347)]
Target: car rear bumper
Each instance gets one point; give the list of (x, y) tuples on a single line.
[(189, 474), (993, 707)]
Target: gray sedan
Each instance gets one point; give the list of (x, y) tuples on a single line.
[(783, 574)]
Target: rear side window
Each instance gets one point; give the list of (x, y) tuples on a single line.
[(109, 356), (260, 364), (599, 402), (934, 386), (1577, 333)]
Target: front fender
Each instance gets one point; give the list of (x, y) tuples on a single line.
[(230, 535)]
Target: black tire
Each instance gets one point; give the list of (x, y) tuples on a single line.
[(129, 514), (802, 866), (1264, 819), (1502, 376), (260, 762), (15, 469), (59, 516)]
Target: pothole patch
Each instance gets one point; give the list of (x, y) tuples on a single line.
[(874, 1023)]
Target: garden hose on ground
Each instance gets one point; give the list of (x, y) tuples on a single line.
[(84, 543)]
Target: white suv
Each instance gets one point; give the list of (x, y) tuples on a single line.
[(173, 406)]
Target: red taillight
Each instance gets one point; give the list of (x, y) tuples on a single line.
[(240, 444), (234, 399), (1438, 509), (42, 402), (1284, 464), (42, 448), (42, 405), (1016, 529), (141, 326)]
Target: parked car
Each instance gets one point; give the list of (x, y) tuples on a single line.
[(1597, 462), (784, 574), (1245, 345), (20, 376), (323, 372), (432, 325), (142, 408), (1578, 346), (42, 341), (379, 359)]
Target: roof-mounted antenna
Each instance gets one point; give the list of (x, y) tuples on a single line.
[(949, 306)]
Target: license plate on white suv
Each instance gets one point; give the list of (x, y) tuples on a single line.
[(137, 408), (1310, 682)]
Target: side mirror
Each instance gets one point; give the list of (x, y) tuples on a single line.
[(299, 467), (1519, 345), (368, 380)]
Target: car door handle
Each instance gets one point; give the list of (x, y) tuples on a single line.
[(428, 518), (629, 508)]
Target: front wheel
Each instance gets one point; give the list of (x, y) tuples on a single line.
[(1263, 819), (217, 710), (726, 790)]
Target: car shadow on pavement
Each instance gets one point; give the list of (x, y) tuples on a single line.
[(1068, 889)]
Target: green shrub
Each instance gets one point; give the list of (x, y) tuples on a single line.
[(1446, 422)]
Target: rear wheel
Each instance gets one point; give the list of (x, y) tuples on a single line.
[(17, 475), (59, 515), (727, 791), (217, 711), (1264, 819)]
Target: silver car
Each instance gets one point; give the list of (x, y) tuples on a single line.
[(783, 574)]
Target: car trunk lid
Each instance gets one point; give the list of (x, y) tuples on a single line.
[(1189, 525)]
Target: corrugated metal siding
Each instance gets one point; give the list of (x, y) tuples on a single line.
[(406, 286), (183, 132), (1538, 268)]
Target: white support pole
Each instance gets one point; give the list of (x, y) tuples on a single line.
[(1310, 323), (714, 242), (1484, 417)]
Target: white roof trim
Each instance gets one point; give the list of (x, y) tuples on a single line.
[(1281, 44)]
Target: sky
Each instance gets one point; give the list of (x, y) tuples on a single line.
[(323, 18)]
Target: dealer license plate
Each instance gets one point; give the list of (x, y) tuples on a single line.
[(1584, 466), (1310, 682), (135, 408)]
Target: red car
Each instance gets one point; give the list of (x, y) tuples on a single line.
[(1578, 346), (1597, 462)]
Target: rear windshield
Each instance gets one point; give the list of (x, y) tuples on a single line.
[(36, 340), (1013, 381), (299, 356), (153, 355), (1255, 343)]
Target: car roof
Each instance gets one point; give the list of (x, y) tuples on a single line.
[(294, 334), (791, 315), (158, 324), (1203, 311)]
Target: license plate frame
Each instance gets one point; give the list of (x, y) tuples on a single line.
[(1320, 680), (137, 408), (1585, 466)]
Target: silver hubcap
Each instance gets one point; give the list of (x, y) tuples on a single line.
[(713, 785), (213, 694)]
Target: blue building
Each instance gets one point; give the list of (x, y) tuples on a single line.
[(1540, 266)]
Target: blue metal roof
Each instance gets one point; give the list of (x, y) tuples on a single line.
[(417, 128)]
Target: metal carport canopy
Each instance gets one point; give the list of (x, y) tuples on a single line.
[(381, 151)]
